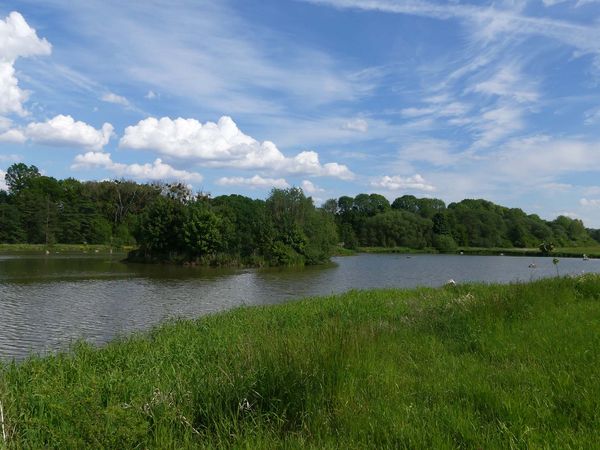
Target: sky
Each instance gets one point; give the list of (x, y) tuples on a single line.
[(451, 100)]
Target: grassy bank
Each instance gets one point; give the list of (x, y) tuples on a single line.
[(473, 366), (395, 250), (61, 248), (560, 252)]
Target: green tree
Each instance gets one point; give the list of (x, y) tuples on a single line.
[(201, 230), (18, 177), (160, 231)]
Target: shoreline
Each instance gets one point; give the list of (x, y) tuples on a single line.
[(75, 249), (346, 370)]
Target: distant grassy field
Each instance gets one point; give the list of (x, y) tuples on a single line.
[(395, 250), (565, 252), (61, 248), (472, 366)]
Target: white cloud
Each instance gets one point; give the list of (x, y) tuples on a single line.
[(310, 188), (17, 40), (569, 214), (595, 203), (592, 116), (546, 156), (255, 182), (416, 112), (3, 186), (111, 97), (496, 124), (591, 190), (557, 187), (215, 58), (360, 125), (63, 131), (10, 158), (155, 171), (222, 144), (151, 95), (5, 123), (489, 21), (14, 136), (508, 82), (434, 151), (396, 183)]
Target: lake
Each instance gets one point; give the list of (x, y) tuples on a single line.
[(47, 302)]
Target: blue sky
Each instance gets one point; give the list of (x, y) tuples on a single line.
[(452, 100)]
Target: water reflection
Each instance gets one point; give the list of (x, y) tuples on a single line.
[(47, 302)]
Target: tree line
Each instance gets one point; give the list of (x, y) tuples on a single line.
[(370, 220), (169, 222), (165, 221)]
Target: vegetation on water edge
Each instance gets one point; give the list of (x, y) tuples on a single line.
[(62, 248), (167, 222), (564, 252), (396, 250), (473, 366)]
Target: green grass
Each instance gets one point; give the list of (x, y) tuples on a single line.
[(61, 248), (475, 366), (396, 250), (563, 252)]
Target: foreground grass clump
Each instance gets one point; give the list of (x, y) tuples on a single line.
[(473, 366)]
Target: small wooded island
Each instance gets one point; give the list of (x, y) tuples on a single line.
[(168, 223)]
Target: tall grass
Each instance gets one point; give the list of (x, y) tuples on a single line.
[(472, 366)]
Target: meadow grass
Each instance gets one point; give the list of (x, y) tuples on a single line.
[(396, 250), (61, 248), (471, 366), (562, 252)]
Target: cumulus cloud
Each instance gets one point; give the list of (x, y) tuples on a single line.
[(62, 131), (396, 183), (17, 40), (360, 125), (310, 188), (13, 136), (222, 144), (3, 186), (255, 182), (155, 171), (111, 97), (5, 123)]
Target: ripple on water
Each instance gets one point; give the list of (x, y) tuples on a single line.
[(47, 303)]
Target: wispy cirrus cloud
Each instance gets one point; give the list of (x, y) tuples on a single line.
[(488, 21), (191, 60)]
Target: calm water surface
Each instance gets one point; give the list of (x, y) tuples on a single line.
[(46, 302)]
